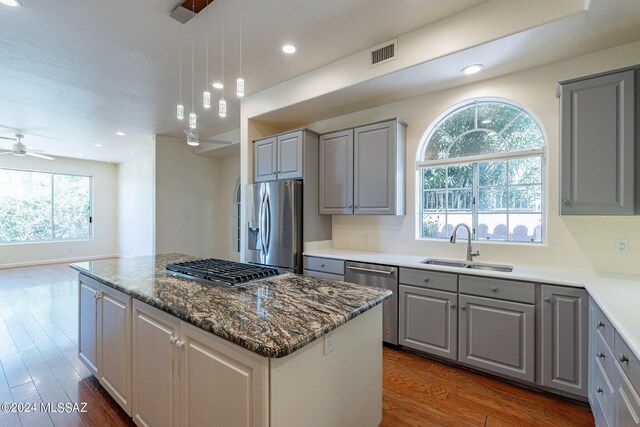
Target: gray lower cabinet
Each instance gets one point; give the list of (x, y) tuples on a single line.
[(429, 321), (563, 337), (598, 119), (497, 336), (362, 170)]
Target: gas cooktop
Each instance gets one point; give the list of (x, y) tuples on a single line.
[(220, 272)]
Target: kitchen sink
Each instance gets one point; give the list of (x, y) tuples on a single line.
[(465, 264)]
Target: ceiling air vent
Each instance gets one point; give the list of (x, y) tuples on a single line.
[(384, 52)]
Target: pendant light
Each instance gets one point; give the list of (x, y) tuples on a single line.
[(180, 107), (240, 80), (222, 104), (192, 115), (206, 95)]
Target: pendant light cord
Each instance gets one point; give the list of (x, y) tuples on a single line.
[(206, 83), (180, 50), (240, 38), (193, 67), (223, 49)]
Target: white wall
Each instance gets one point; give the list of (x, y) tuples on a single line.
[(230, 176), (571, 241), (136, 204), (105, 201), (193, 200)]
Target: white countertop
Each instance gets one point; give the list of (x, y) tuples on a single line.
[(618, 295)]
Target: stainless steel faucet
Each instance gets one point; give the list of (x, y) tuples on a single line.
[(470, 252)]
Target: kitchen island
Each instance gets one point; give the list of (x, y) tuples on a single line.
[(173, 351)]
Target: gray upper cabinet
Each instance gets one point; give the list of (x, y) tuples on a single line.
[(429, 321), (265, 159), (279, 157), (598, 145), (563, 339), (362, 170), (497, 336), (336, 173), (290, 155)]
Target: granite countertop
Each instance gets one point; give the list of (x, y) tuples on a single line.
[(272, 317), (618, 295)]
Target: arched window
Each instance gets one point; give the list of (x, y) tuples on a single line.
[(481, 164)]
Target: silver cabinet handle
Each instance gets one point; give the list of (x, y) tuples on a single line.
[(350, 206), (565, 202), (98, 295), (321, 265), (622, 358), (452, 305), (463, 307), (370, 270), (600, 355), (600, 325), (494, 289), (547, 299), (426, 279), (599, 390), (172, 339), (179, 343)]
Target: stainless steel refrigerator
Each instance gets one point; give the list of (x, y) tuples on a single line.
[(274, 221)]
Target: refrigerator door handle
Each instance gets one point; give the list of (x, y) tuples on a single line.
[(267, 230), (263, 225)]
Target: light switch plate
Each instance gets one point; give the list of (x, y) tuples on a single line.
[(329, 342)]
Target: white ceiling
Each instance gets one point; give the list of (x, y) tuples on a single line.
[(602, 27), (74, 72)]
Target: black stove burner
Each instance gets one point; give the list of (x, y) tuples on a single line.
[(217, 270)]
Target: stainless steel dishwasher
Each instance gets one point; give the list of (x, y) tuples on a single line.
[(380, 276)]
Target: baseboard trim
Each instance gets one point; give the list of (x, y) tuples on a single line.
[(55, 261)]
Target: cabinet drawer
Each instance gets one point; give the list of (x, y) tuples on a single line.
[(321, 275), (496, 288), (629, 363), (626, 402), (603, 354), (603, 392), (325, 265), (429, 279), (604, 326)]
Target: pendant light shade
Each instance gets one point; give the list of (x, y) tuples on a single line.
[(192, 120), (180, 112), (206, 99), (240, 87), (222, 108)]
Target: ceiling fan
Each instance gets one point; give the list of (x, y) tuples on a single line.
[(19, 149), (193, 138)]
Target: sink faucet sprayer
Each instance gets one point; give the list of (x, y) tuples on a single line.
[(470, 252)]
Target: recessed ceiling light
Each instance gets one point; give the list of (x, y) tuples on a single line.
[(12, 3), (120, 133), (472, 69), (217, 85), (98, 145), (289, 49)]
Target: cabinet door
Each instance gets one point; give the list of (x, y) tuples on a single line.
[(115, 345), (290, 160), (597, 155), (497, 336), (429, 321), (155, 376), (563, 337), (88, 324), (336, 173), (375, 169), (264, 159), (222, 384)]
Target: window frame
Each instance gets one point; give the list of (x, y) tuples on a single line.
[(474, 162), (53, 239)]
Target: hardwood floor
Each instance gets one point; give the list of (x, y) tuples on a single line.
[(38, 356)]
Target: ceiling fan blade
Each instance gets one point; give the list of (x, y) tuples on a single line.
[(5, 152), (216, 141), (192, 132), (6, 137), (40, 156)]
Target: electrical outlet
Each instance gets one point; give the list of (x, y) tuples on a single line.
[(621, 246), (329, 342)]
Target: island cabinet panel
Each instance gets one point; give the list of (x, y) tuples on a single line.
[(598, 146), (290, 154), (497, 336), (336, 173), (88, 325), (155, 376), (429, 321), (265, 159), (220, 385), (115, 345), (563, 337)]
